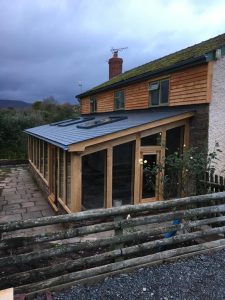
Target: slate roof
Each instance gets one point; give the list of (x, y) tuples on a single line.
[(65, 136), (187, 54)]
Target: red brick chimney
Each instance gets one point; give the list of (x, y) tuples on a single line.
[(115, 65)]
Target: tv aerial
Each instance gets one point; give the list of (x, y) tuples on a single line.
[(116, 50)]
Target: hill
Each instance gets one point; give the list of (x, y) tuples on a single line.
[(18, 104)]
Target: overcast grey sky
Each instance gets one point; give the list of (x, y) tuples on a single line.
[(48, 46)]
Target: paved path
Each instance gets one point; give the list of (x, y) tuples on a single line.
[(20, 198)]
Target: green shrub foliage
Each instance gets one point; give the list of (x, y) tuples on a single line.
[(13, 141)]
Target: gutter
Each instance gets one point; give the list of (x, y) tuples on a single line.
[(178, 66)]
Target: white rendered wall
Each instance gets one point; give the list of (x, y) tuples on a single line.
[(217, 113)]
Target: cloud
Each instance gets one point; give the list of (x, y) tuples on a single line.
[(47, 47)]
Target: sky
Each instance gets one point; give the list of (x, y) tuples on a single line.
[(60, 48)]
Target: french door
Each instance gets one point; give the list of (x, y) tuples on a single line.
[(150, 181)]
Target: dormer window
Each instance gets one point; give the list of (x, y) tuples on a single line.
[(159, 92), (119, 100), (93, 105)]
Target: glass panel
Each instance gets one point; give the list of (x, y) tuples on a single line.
[(41, 157), (123, 166), (93, 104), (154, 86), (151, 140), (45, 160), (174, 144), (61, 173), (68, 179), (174, 140), (164, 91), (149, 176), (38, 156), (93, 180), (155, 97), (119, 100)]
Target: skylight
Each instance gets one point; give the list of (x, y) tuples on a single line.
[(100, 122), (64, 121), (75, 121)]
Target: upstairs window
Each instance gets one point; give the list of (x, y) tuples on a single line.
[(159, 92), (119, 100), (93, 104)]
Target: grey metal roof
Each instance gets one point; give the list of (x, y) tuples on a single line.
[(65, 136)]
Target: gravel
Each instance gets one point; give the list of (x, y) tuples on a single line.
[(200, 277)]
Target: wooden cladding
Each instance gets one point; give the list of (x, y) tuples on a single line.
[(190, 86)]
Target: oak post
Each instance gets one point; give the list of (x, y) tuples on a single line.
[(76, 182), (137, 171), (109, 171)]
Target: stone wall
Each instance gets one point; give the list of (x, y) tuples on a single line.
[(217, 113), (199, 125)]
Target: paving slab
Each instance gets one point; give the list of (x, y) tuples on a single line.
[(21, 199)]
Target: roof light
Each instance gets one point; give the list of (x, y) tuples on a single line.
[(79, 120), (103, 121)]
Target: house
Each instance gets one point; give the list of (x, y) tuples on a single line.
[(172, 102)]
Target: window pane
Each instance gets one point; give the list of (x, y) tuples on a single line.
[(164, 91), (61, 174), (93, 180), (45, 160), (41, 157), (119, 100), (149, 176), (155, 97), (68, 179), (151, 140), (123, 166), (93, 104), (154, 86)]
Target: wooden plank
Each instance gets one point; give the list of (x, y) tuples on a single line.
[(64, 206), (40, 286), (96, 213), (76, 182), (109, 177), (206, 248), (37, 274)]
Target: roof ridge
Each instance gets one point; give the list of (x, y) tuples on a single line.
[(170, 59)]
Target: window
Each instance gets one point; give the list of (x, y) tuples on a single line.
[(119, 100), (159, 92), (151, 140), (103, 121), (93, 104)]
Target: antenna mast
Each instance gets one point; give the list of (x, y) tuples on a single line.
[(116, 50)]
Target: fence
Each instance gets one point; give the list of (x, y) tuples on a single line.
[(137, 235), (213, 183)]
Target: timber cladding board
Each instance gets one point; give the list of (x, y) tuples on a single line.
[(189, 86)]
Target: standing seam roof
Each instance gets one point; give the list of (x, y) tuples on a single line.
[(65, 136)]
